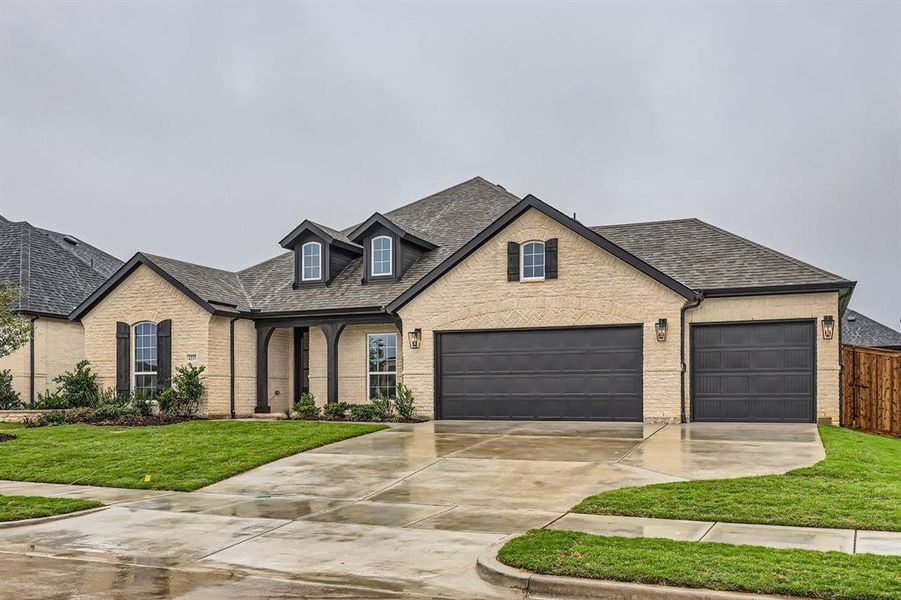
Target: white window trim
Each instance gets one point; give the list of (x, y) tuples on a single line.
[(302, 276), (134, 355), (370, 373), (390, 256), (522, 261)]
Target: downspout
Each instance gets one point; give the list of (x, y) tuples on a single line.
[(688, 305), (231, 370), (841, 363), (31, 360)]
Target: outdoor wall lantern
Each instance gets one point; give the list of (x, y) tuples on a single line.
[(828, 327), (415, 338), (660, 330)]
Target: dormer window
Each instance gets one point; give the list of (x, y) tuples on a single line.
[(312, 261), (381, 256), (533, 261)]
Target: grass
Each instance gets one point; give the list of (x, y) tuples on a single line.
[(830, 575), (16, 508), (182, 457), (857, 486)]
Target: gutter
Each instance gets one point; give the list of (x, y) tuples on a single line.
[(685, 307), (31, 360), (231, 362)]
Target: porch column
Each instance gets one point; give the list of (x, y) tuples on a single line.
[(264, 333), (332, 333)]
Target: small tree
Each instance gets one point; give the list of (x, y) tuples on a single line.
[(184, 397), (9, 397), (14, 328)]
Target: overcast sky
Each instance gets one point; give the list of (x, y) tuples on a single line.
[(207, 131)]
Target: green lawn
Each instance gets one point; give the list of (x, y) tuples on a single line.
[(857, 486), (716, 566), (180, 457), (16, 508)]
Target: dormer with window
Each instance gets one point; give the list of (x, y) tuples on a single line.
[(389, 249), (320, 253)]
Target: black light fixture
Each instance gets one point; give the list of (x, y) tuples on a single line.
[(828, 327), (660, 330), (415, 338)]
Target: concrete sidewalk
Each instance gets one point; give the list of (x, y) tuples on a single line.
[(850, 541)]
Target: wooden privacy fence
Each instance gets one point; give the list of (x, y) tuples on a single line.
[(871, 389)]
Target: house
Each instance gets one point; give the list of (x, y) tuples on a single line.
[(55, 272), (860, 330), (488, 306)]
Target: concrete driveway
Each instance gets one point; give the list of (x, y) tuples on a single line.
[(402, 512)]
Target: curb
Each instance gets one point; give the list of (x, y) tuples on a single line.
[(39, 520), (491, 570)]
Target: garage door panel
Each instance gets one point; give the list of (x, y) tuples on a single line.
[(579, 373), (753, 372)]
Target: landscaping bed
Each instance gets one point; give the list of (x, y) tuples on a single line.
[(184, 457), (857, 486), (17, 508), (755, 569)]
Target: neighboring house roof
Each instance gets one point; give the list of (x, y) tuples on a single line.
[(860, 330), (707, 258), (689, 256), (56, 271)]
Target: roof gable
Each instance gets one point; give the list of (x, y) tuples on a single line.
[(326, 234), (511, 215), (407, 234)]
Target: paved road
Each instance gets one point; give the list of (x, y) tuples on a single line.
[(400, 512)]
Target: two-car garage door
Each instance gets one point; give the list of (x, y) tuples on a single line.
[(572, 373)]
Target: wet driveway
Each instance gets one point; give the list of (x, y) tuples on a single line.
[(402, 512)]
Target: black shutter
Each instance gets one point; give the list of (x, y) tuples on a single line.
[(550, 259), (512, 261), (164, 354), (123, 347)]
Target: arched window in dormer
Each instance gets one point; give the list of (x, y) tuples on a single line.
[(311, 254), (382, 259)]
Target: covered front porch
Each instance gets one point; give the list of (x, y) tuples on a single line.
[(335, 357)]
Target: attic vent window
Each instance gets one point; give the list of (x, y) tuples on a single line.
[(70, 240)]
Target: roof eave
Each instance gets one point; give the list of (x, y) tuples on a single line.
[(796, 288)]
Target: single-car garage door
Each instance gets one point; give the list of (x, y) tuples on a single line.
[(756, 372), (574, 373)]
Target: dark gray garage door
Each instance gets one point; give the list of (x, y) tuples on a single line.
[(761, 372), (592, 373)]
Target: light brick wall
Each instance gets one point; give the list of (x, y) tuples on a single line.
[(788, 306), (145, 296), (58, 344), (281, 365), (352, 362), (593, 288)]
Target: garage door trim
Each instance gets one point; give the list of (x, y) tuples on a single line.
[(436, 352), (691, 350)]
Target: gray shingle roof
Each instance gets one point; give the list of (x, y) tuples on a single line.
[(54, 274), (698, 255), (860, 330), (449, 218), (705, 257)]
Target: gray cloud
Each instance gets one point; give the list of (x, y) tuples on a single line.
[(207, 131)]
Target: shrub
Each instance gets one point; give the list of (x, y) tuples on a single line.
[(55, 417), (185, 395), (78, 387), (37, 421), (364, 412), (381, 405), (404, 403), (49, 401), (306, 408), (110, 412), (79, 415), (9, 398), (335, 410)]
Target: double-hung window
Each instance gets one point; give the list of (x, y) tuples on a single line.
[(312, 262), (381, 256), (146, 363), (533, 261), (382, 364)]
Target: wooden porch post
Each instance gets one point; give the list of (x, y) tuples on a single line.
[(332, 331), (264, 333)]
